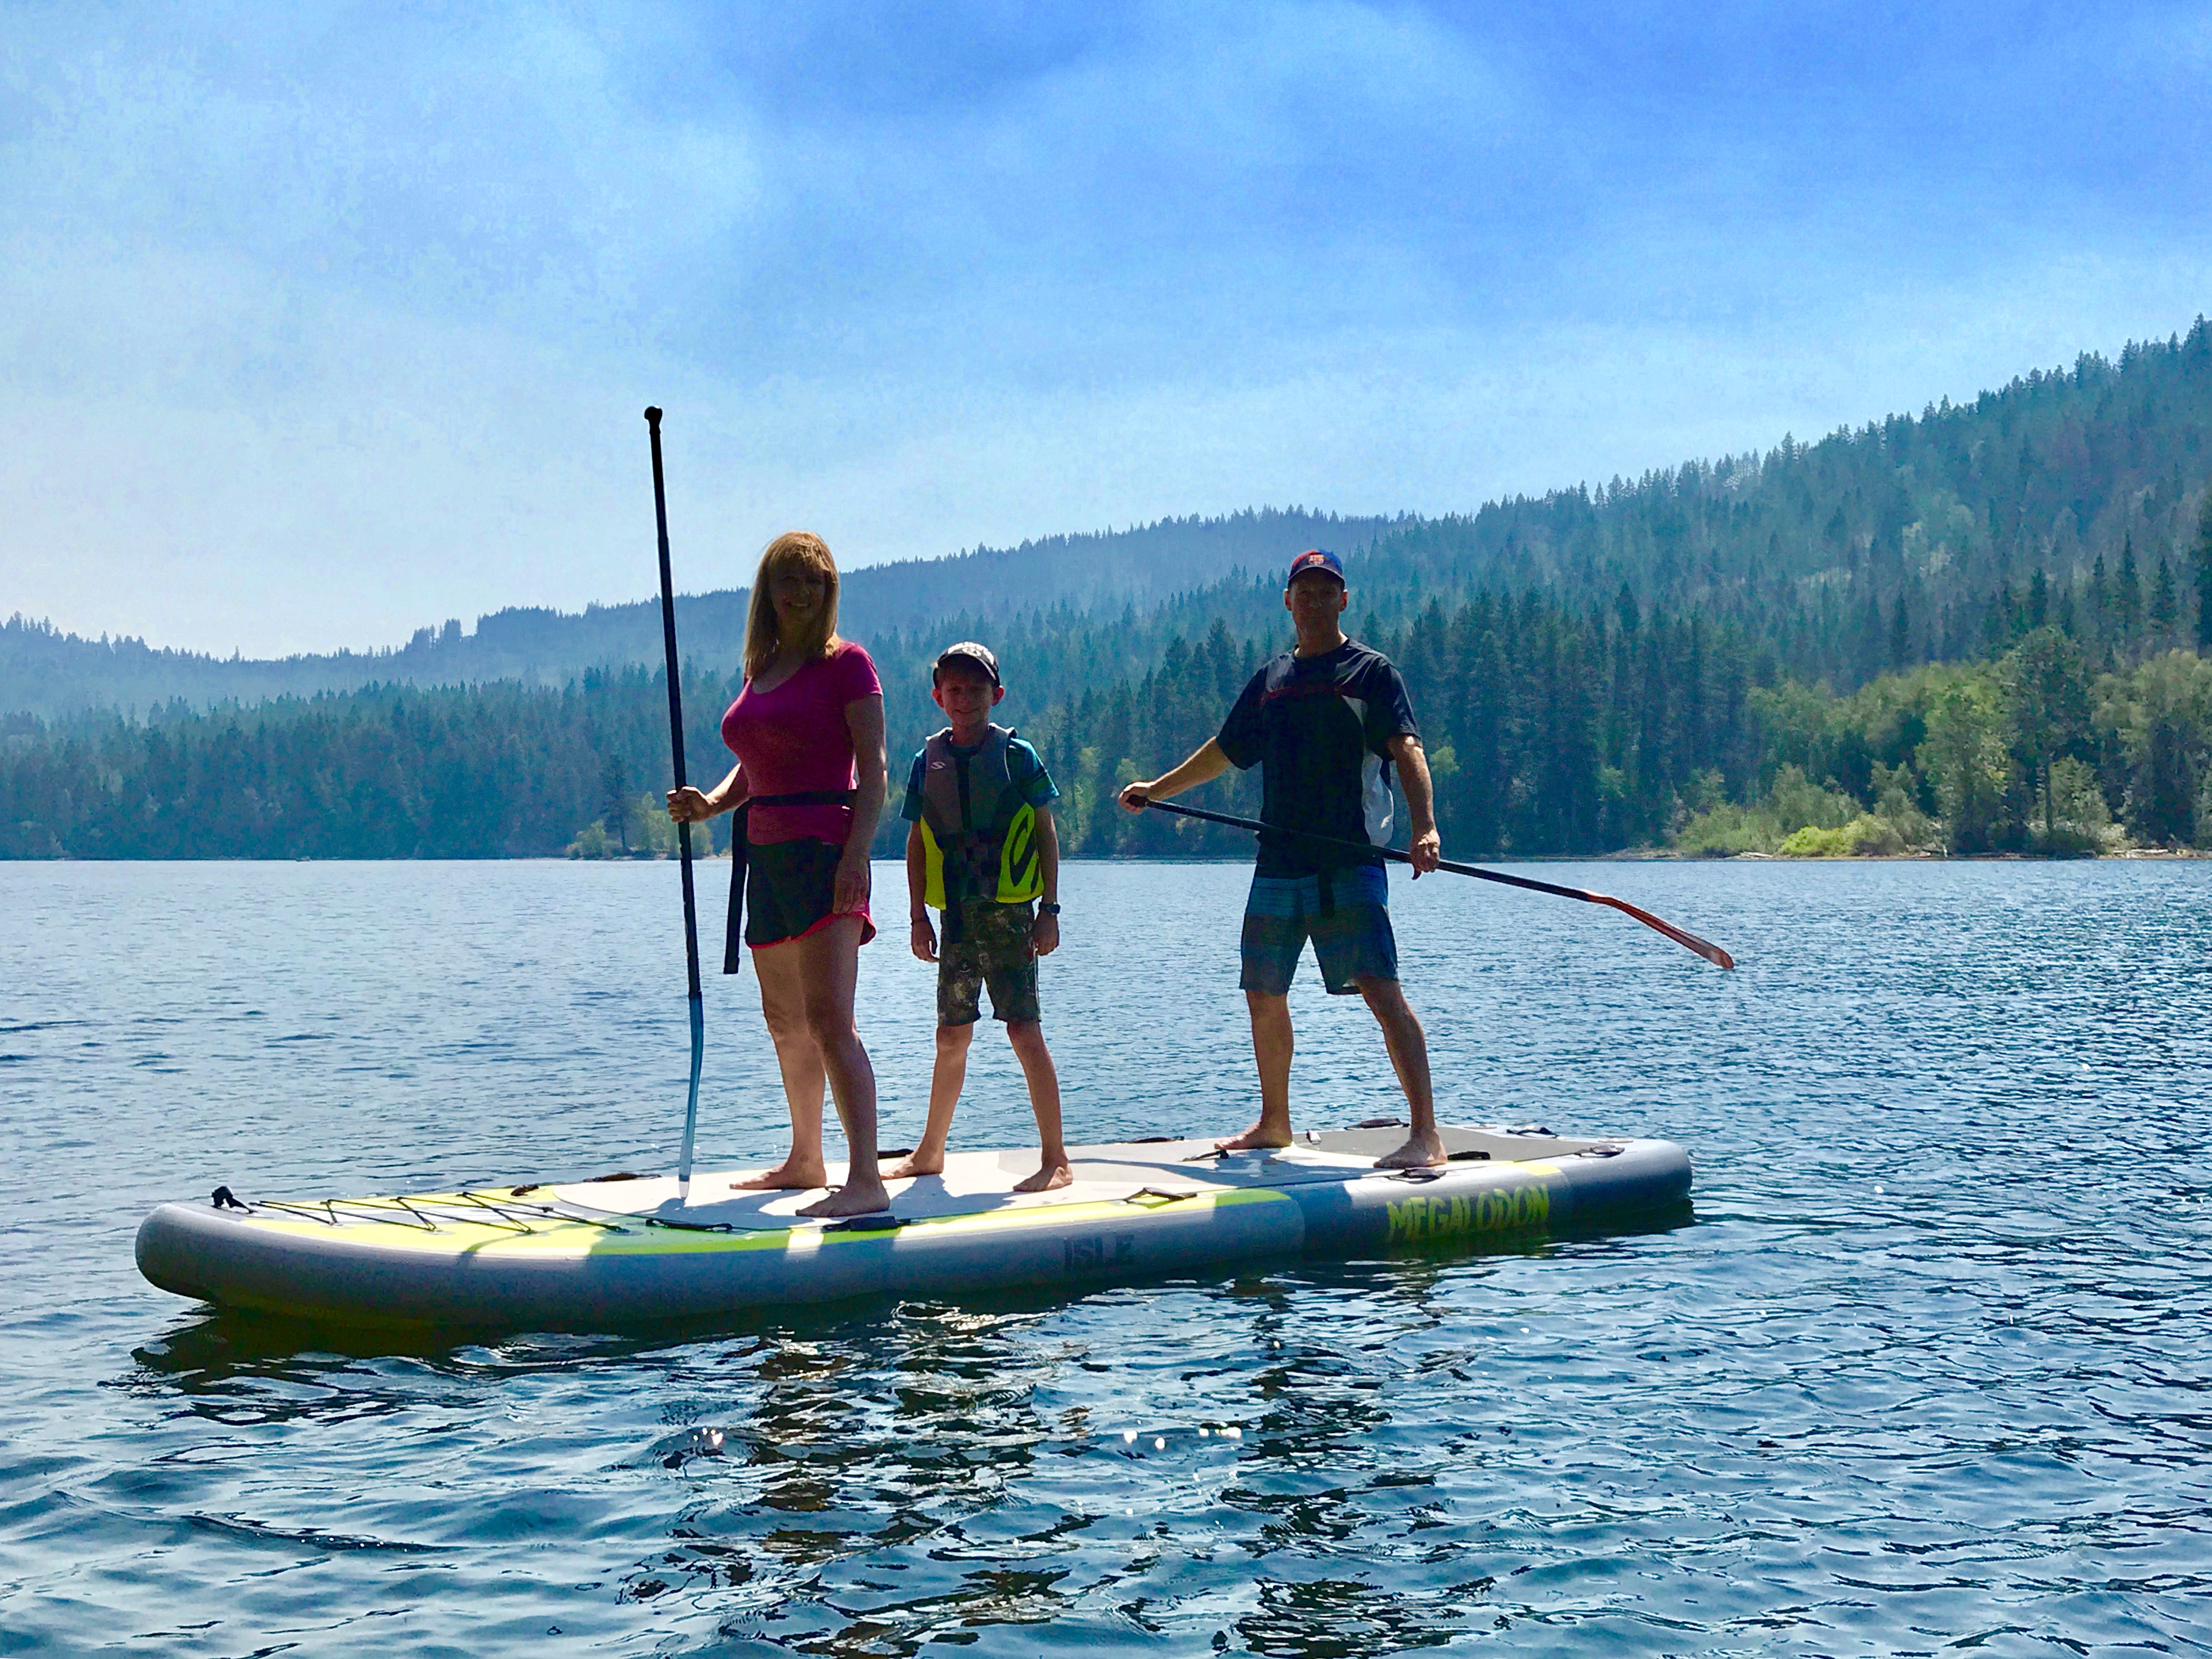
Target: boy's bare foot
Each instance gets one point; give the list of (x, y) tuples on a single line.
[(853, 1197), (1259, 1137), (919, 1163), (790, 1176), (1420, 1152), (1048, 1179)]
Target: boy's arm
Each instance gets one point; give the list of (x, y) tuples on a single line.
[(922, 937), (1044, 932)]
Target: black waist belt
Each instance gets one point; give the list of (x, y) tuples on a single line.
[(733, 940)]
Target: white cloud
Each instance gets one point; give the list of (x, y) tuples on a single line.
[(316, 328)]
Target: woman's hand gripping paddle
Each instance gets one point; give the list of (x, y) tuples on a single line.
[(1688, 941), (682, 828)]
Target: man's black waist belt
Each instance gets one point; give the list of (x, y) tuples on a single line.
[(733, 940)]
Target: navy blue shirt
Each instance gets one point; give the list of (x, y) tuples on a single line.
[(1320, 729)]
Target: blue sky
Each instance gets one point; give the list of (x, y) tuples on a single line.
[(322, 323)]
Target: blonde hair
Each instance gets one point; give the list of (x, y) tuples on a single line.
[(795, 550)]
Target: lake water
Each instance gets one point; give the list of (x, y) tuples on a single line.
[(1931, 1369)]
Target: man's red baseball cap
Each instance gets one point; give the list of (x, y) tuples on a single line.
[(1316, 558)]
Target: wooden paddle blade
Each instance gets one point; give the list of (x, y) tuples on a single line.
[(1683, 937)]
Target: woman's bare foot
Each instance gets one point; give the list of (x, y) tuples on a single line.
[(1048, 1179), (918, 1164), (1420, 1152), (1261, 1136), (790, 1176), (853, 1197)]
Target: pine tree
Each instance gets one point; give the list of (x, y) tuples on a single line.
[(614, 796), (2099, 601), (2127, 595), (1997, 626), (2204, 581), (1869, 655), (2162, 608)]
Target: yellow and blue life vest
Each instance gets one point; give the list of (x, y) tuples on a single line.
[(978, 833)]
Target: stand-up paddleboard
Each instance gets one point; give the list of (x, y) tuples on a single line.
[(627, 1251)]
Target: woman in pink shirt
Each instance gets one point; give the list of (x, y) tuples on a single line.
[(808, 732)]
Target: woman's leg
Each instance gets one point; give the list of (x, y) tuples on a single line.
[(783, 1005), (827, 965)]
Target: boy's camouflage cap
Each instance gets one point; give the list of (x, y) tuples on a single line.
[(968, 651)]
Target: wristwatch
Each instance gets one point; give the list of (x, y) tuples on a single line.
[(1044, 910)]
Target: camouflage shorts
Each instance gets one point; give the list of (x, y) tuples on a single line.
[(993, 950)]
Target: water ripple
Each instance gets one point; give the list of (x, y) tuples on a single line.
[(1931, 1370)]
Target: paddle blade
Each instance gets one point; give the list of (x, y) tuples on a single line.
[(692, 1107), (1681, 936)]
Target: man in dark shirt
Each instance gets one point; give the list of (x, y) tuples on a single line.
[(1322, 721)]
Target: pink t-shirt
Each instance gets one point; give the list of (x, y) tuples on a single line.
[(794, 739)]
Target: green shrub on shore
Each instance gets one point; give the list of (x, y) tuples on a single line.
[(1793, 806), (594, 842), (1726, 830), (2031, 753), (643, 831), (1866, 837)]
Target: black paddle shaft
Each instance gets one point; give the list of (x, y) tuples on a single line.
[(675, 706), (1391, 853), (1681, 936)]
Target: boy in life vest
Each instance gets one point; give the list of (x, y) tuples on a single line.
[(981, 850)]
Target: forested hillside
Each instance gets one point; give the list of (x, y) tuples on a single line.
[(1983, 629), (49, 673), (1550, 731)]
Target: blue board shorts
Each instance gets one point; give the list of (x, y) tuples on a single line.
[(1350, 926)]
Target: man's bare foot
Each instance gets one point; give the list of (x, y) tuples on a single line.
[(1048, 1179), (790, 1176), (853, 1197), (1261, 1136), (1418, 1152), (919, 1163)]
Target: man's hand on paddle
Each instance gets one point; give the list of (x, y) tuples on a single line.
[(1204, 765)]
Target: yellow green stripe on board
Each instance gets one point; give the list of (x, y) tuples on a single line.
[(633, 1236)]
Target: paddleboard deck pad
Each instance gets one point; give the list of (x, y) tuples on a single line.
[(627, 1251)]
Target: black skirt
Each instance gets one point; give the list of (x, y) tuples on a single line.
[(790, 888), (738, 933)]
